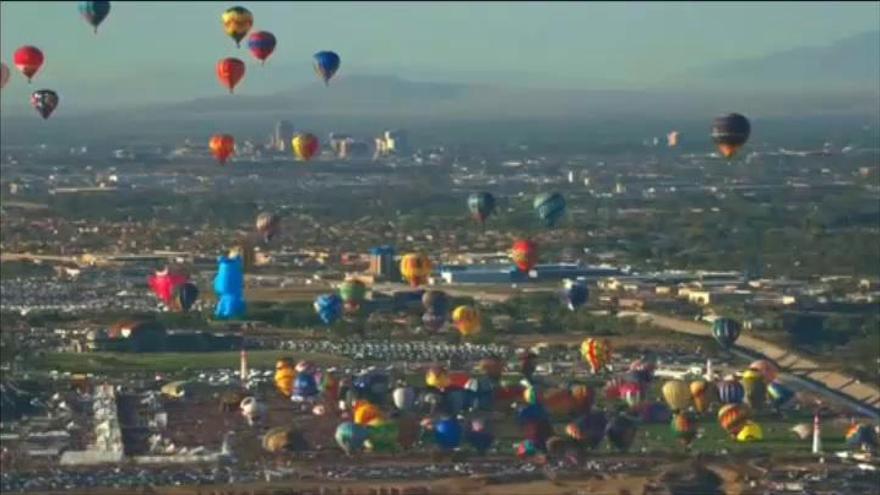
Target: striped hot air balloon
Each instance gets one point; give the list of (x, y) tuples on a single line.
[(596, 352)]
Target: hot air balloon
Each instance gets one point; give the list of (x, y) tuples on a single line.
[(284, 375), (526, 449), (583, 397), (550, 207), (466, 320), (861, 436), (575, 293), (237, 21), (750, 432), (596, 352), (672, 139), (350, 437), (353, 292), (222, 146), (730, 132), (479, 435), (164, 282), (481, 205), (415, 268), (685, 427), (588, 430), (703, 394), (94, 12), (304, 386), (779, 394), (329, 308), (631, 393), (732, 417), (532, 395), (767, 369), (366, 412), (436, 305), (326, 65), (404, 398), (726, 331), (44, 101), (382, 436), (437, 377), (229, 287), (230, 72), (621, 431), (643, 368), (730, 392), (184, 296), (4, 75), (559, 402), (261, 44), (754, 389), (677, 395), (28, 59), (268, 225), (524, 254), (447, 433), (305, 146)]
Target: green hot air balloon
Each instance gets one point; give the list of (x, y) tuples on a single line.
[(353, 292), (550, 207)]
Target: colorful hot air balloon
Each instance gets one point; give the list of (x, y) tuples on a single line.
[(685, 427), (631, 393), (550, 207), (44, 101), (222, 146), (230, 72), (326, 65), (415, 268), (284, 375), (305, 146), (596, 352), (677, 395), (237, 21), (466, 320), (366, 412), (730, 392), (732, 417), (184, 296), (268, 225), (163, 284), (575, 293), (304, 386), (481, 205), (329, 308), (524, 254), (730, 132), (28, 59), (767, 369), (94, 12), (754, 389), (4, 75), (350, 437), (353, 292), (703, 393), (437, 377), (861, 436), (261, 44), (779, 394), (726, 331)]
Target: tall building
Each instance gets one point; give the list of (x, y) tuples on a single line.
[(283, 136), (382, 263)]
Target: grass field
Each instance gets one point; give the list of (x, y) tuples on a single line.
[(110, 362)]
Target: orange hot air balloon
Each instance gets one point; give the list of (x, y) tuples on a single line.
[(732, 417), (305, 146), (596, 352), (28, 59), (365, 413), (222, 146), (415, 268), (524, 254), (230, 72), (703, 394), (583, 397)]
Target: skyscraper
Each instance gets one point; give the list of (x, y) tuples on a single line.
[(382, 263), (283, 136)]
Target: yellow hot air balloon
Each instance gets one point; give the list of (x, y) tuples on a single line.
[(596, 352), (237, 21), (305, 146), (677, 395), (365, 413), (750, 432), (703, 394), (415, 268), (467, 320), (437, 377), (754, 388), (284, 376)]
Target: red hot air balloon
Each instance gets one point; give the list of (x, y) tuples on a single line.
[(222, 146), (524, 254), (230, 71), (261, 44), (28, 59)]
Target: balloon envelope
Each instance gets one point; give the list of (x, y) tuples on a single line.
[(28, 59), (230, 72), (550, 207), (261, 45), (94, 12), (44, 101), (481, 205), (326, 65), (305, 146), (237, 21), (222, 146), (524, 254), (730, 132)]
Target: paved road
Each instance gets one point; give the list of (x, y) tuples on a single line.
[(798, 368)]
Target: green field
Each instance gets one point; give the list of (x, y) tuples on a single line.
[(110, 362)]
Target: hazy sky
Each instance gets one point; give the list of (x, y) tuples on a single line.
[(160, 47)]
